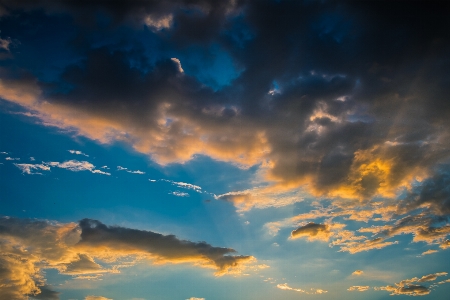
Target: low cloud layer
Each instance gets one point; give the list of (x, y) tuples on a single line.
[(30, 246)]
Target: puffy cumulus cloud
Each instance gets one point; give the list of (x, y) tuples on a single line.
[(343, 123), (411, 287), (313, 231), (284, 286), (358, 272), (88, 250), (359, 288)]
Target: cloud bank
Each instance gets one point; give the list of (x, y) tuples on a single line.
[(29, 247)]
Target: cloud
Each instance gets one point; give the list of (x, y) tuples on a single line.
[(12, 158), (285, 286), (5, 43), (76, 166), (120, 168), (430, 251), (335, 128), (179, 194), (313, 231), (195, 298), (30, 168), (359, 288), (262, 197), (445, 244), (89, 249), (78, 152), (411, 290), (184, 185), (410, 286), (177, 61), (96, 298), (358, 272)]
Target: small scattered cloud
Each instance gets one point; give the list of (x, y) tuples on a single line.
[(411, 287), (32, 158), (96, 298), (284, 286), (178, 63), (120, 168), (5, 153), (359, 288), (445, 244), (77, 152), (195, 298), (12, 158), (76, 166), (5, 44), (158, 23), (179, 194), (184, 185), (430, 251), (358, 272), (32, 168), (262, 197)]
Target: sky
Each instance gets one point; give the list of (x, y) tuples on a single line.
[(203, 150)]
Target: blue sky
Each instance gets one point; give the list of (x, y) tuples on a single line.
[(224, 150)]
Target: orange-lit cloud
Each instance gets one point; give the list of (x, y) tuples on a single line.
[(96, 298), (29, 246), (359, 288), (176, 132), (285, 286), (411, 287)]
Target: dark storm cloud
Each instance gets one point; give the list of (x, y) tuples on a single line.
[(433, 193), (348, 99)]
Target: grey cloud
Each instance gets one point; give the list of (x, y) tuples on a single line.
[(354, 85), (313, 231), (29, 247), (163, 247)]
